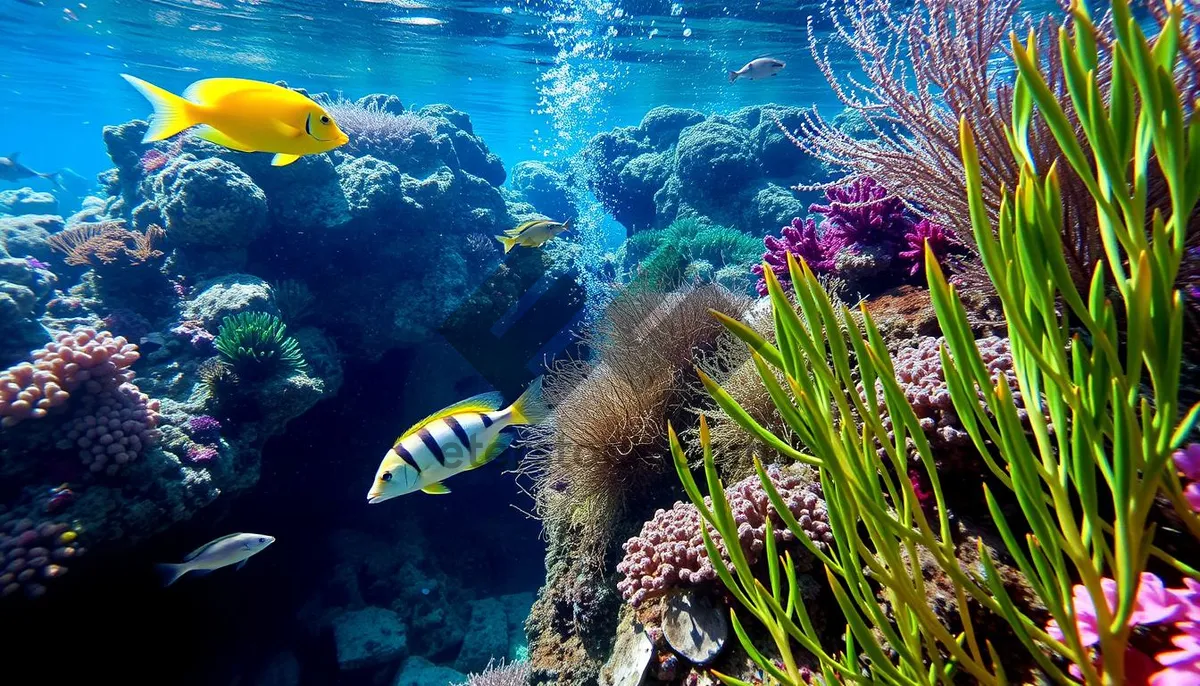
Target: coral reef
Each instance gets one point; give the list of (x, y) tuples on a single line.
[(95, 361), (689, 251), (670, 552), (866, 238), (511, 674), (732, 170), (33, 554)]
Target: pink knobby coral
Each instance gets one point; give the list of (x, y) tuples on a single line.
[(111, 428), (83, 358), (919, 371), (670, 550), (33, 553)]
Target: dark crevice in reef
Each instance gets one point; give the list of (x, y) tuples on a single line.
[(111, 616)]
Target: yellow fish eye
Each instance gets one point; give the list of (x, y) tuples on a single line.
[(387, 476), (324, 118)]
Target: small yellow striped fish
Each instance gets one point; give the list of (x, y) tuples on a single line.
[(532, 234), (456, 439)]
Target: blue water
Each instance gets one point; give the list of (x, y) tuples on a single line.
[(493, 60)]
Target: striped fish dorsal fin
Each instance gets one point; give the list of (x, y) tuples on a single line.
[(482, 403), (195, 553)]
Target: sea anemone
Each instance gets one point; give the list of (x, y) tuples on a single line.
[(257, 345)]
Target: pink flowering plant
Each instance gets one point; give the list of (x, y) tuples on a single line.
[(1073, 490)]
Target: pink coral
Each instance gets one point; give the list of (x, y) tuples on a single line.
[(1154, 604), (670, 549), (199, 453), (802, 240), (32, 554), (112, 428), (83, 358)]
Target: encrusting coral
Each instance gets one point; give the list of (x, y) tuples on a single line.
[(669, 552)]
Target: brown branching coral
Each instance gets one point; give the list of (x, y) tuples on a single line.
[(104, 243), (606, 440), (926, 67)]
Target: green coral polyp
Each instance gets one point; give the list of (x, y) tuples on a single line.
[(257, 345)]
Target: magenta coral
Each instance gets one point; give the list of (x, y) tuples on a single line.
[(800, 239), (32, 554), (941, 241), (862, 229), (198, 453), (670, 550), (204, 428), (83, 358), (1187, 461), (863, 211)]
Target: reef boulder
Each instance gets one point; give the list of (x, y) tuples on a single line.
[(227, 295), (417, 671), (27, 201), (368, 638), (211, 203)]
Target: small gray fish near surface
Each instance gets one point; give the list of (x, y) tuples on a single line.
[(222, 552), (12, 170), (757, 69)]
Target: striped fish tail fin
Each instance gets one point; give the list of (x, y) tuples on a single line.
[(531, 407)]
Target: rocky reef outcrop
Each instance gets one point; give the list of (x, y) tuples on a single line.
[(733, 170)]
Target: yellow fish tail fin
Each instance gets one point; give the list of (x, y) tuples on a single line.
[(172, 113), (508, 241), (481, 404), (531, 407)]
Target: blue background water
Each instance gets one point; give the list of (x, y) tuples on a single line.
[(493, 59)]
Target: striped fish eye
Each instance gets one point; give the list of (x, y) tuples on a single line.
[(387, 476)]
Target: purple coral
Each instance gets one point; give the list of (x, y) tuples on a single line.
[(204, 429), (940, 239), (802, 240), (863, 212), (862, 230), (402, 139), (201, 454), (670, 551)]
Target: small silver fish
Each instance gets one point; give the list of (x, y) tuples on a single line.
[(218, 553), (757, 69)]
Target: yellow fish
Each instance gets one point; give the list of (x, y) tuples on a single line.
[(459, 438), (532, 234), (244, 115)]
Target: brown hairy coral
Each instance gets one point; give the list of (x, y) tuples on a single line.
[(606, 440), (925, 67), (106, 242)]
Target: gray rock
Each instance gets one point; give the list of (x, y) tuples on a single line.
[(516, 609), (486, 637), (630, 657), (369, 637), (218, 298), (28, 201), (417, 671), (283, 669), (694, 626)]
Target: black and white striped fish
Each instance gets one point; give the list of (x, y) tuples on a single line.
[(459, 438)]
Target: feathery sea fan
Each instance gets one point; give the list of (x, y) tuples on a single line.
[(375, 131)]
